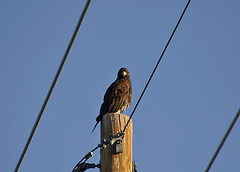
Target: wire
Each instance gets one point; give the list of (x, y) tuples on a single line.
[(90, 154), (223, 141), (157, 64), (52, 86)]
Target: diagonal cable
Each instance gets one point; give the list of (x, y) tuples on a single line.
[(52, 86), (160, 58), (223, 141)]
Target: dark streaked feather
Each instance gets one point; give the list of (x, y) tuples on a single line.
[(118, 96)]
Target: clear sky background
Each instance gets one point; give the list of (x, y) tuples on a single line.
[(186, 110)]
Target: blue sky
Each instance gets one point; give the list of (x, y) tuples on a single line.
[(186, 110)]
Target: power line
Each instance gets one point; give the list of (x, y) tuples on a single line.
[(223, 141), (82, 165), (157, 64), (53, 85)]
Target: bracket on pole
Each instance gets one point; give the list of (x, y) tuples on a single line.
[(116, 141)]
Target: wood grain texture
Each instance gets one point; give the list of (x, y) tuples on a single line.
[(111, 124)]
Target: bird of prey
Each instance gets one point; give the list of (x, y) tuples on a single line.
[(118, 96)]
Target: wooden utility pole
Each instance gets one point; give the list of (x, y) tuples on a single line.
[(121, 162)]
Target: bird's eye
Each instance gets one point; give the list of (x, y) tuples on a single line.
[(124, 73)]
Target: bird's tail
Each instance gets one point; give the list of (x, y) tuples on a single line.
[(95, 126)]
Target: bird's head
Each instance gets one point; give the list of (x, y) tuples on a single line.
[(123, 73)]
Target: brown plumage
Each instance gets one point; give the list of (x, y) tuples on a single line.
[(118, 96)]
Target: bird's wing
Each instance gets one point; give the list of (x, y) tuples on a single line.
[(117, 97)]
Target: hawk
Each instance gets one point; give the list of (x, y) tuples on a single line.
[(118, 96)]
